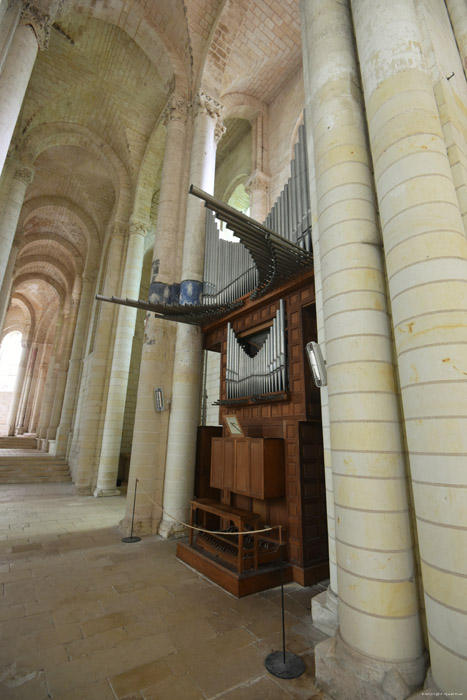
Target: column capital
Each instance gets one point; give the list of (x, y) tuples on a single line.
[(137, 227), (257, 181), (118, 228), (176, 109), (23, 173), (205, 104), (39, 21), (219, 130)]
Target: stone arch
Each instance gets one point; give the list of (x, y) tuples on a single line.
[(23, 261), (155, 31), (25, 277), (52, 134)]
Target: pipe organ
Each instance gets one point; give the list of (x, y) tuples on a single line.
[(273, 473), (266, 371), (231, 267)]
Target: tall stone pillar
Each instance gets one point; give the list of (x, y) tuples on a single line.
[(257, 185), (185, 409), (379, 636), (52, 374), (16, 396), (5, 291), (91, 414), (25, 396), (324, 609), (31, 34), (12, 208), (79, 338), (43, 364), (150, 430), (426, 258), (65, 359), (457, 10), (118, 383)]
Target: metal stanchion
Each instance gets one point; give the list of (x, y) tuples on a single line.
[(284, 664), (131, 538)]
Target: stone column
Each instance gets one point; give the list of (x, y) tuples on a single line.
[(5, 292), (379, 635), (16, 396), (426, 258), (91, 414), (79, 338), (65, 359), (39, 388), (21, 422), (31, 34), (181, 444), (457, 10), (118, 384), (324, 606), (150, 430), (21, 178), (49, 389), (257, 187)]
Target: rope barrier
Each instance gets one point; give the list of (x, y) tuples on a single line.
[(201, 529)]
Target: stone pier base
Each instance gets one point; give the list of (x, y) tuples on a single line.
[(347, 674), (324, 612)]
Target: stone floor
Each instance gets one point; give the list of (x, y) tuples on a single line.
[(84, 616)]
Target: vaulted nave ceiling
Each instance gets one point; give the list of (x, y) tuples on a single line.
[(88, 120)]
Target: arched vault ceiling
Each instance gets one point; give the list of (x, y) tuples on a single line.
[(79, 176), (96, 76), (54, 225), (266, 48)]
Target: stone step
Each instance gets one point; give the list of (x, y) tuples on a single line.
[(18, 443), (28, 479), (33, 469)]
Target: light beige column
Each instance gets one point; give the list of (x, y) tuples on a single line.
[(12, 208), (5, 291), (149, 447), (426, 257), (457, 10), (16, 396), (65, 353), (79, 338), (257, 187), (44, 363), (49, 389), (25, 395), (324, 607), (185, 408), (379, 628), (91, 414), (31, 34), (118, 383)]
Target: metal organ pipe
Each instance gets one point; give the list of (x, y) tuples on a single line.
[(264, 373)]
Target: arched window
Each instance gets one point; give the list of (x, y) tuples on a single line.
[(10, 355)]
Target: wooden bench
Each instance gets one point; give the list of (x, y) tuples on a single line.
[(239, 517)]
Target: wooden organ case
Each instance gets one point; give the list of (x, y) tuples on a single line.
[(273, 474)]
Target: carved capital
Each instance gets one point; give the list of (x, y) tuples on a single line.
[(176, 109), (138, 227), (257, 181), (118, 229), (205, 104), (23, 174), (39, 21), (219, 131)]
